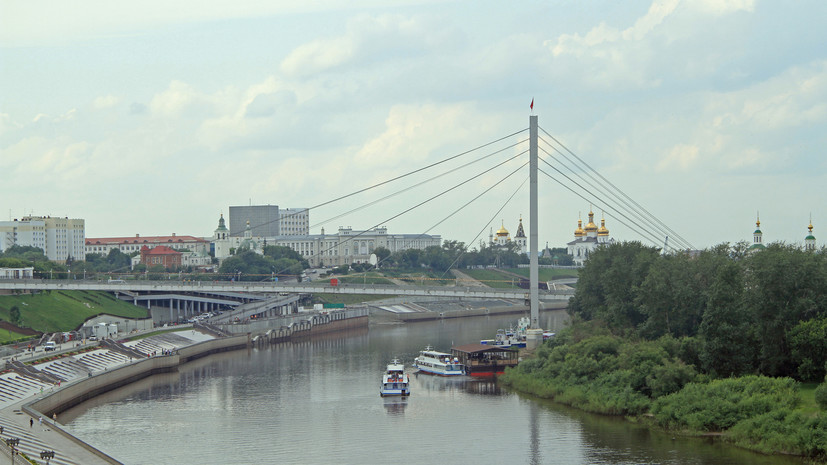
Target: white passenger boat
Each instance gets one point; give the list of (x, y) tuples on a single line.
[(511, 337), (395, 382), (438, 363)]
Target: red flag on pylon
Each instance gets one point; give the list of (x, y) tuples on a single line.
[(532, 104)]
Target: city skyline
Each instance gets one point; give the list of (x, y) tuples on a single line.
[(154, 119)]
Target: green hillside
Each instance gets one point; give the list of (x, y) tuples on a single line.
[(493, 278), (51, 311), (547, 274)]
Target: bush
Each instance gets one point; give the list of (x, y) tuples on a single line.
[(721, 404), (783, 431), (821, 395)]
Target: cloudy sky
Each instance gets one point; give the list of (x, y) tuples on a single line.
[(154, 117)]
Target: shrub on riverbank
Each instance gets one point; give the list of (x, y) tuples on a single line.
[(603, 373), (610, 375), (721, 404)]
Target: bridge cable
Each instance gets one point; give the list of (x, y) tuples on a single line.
[(362, 207), (618, 189), (350, 238), (638, 217), (466, 205), (642, 233), (602, 190), (382, 183), (507, 201)]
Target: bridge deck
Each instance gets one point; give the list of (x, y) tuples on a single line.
[(314, 287)]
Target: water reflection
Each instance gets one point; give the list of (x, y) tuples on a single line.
[(395, 405)]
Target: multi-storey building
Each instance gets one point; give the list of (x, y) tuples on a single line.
[(128, 245), (294, 222), (263, 219), (60, 239), (343, 248), (160, 255)]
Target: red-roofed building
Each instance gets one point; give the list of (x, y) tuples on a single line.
[(161, 255), (127, 245)]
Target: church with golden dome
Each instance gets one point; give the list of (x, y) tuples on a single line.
[(758, 237), (502, 238), (587, 239)]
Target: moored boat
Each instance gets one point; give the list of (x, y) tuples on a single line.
[(395, 382), (438, 363), (511, 337), (485, 360)]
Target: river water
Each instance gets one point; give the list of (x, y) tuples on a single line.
[(317, 402)]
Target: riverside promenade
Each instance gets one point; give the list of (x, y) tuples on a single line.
[(55, 381), (31, 394)]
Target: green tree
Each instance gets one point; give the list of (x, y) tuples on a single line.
[(382, 253), (675, 293), (276, 252), (609, 284), (14, 315), (808, 343), (728, 346), (786, 285)]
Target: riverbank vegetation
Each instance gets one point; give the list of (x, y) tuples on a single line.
[(718, 342)]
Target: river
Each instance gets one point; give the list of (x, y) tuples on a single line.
[(317, 402)]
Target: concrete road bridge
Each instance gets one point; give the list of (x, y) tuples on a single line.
[(314, 287)]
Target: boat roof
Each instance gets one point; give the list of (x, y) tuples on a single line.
[(478, 348), (435, 352)]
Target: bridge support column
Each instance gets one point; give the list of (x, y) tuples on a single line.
[(533, 338)]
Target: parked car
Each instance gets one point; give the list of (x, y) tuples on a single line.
[(49, 346)]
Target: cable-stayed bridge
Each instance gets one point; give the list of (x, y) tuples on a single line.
[(560, 164)]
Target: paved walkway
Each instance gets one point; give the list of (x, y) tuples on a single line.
[(16, 390), (466, 280)]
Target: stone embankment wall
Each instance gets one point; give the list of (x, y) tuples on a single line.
[(309, 328), (85, 389), (424, 316)]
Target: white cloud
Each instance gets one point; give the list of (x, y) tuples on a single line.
[(411, 132), (106, 101), (721, 7), (49, 22), (366, 39), (612, 57), (681, 158)]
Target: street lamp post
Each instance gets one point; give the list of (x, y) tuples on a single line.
[(48, 455), (12, 443)]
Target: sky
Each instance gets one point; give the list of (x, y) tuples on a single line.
[(154, 117)]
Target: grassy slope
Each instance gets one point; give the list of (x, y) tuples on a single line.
[(546, 274), (65, 310), (492, 278)]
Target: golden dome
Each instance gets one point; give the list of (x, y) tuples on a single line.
[(603, 231), (579, 231), (591, 227), (502, 231)]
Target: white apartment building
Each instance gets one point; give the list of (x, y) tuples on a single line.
[(60, 238), (294, 222), (343, 248), (127, 245)]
